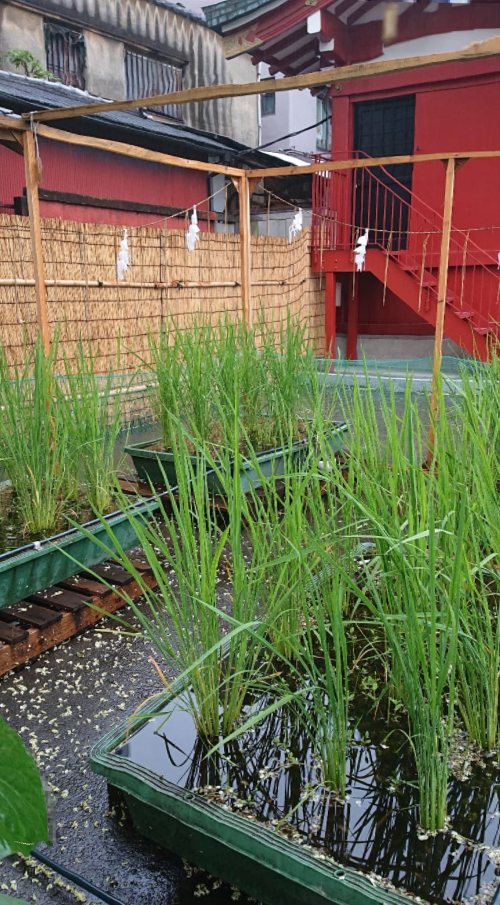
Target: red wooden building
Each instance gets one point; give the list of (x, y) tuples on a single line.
[(444, 108), (89, 185)]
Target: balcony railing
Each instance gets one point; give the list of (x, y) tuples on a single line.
[(409, 232)]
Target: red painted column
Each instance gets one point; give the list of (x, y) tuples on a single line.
[(331, 314), (341, 125), (352, 323)]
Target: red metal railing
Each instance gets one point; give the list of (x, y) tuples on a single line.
[(409, 231)]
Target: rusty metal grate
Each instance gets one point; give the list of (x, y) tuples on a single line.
[(65, 54), (146, 76)]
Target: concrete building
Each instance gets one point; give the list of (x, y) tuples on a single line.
[(122, 49)]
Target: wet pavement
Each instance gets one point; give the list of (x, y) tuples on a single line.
[(61, 704)]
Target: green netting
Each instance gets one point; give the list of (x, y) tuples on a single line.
[(136, 408), (395, 372)]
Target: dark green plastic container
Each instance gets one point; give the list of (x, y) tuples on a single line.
[(155, 465), (26, 571), (246, 854)]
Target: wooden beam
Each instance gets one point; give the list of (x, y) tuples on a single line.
[(441, 301), (118, 147), (478, 51), (253, 183), (30, 167), (125, 284), (6, 135), (245, 240), (13, 124), (329, 166)]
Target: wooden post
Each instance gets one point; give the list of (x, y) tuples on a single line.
[(36, 237), (245, 239), (441, 300), (331, 314), (352, 323)]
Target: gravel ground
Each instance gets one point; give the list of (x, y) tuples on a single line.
[(61, 704)]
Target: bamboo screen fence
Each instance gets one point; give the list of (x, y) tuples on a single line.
[(164, 279)]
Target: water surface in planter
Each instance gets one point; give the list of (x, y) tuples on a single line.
[(270, 775)]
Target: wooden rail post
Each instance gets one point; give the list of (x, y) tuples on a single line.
[(30, 167), (441, 299), (245, 239)]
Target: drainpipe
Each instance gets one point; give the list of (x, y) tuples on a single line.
[(259, 107)]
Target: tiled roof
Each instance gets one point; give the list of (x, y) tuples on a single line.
[(20, 94), (220, 13)]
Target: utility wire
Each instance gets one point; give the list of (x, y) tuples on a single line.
[(283, 137)]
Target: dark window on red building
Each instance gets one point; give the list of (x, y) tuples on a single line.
[(65, 50), (148, 75)]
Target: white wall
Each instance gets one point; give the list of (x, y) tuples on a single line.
[(444, 43), (195, 6), (295, 110)]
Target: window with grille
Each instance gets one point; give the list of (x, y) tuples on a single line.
[(65, 50), (147, 75)]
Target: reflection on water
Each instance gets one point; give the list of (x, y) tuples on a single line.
[(270, 773)]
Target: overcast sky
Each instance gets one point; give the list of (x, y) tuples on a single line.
[(196, 5)]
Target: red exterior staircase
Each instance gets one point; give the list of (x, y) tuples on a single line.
[(404, 251)]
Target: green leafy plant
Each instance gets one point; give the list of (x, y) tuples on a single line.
[(23, 811), (23, 59)]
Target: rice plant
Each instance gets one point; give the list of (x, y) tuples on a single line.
[(415, 588), (35, 438), (238, 360), (94, 418), (477, 411), (196, 349), (325, 662), (186, 550), (166, 387), (193, 377)]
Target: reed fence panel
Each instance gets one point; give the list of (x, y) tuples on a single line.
[(154, 287)]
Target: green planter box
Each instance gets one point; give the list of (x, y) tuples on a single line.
[(26, 570), (155, 465), (246, 854)]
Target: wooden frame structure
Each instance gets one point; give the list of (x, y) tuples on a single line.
[(23, 131)]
